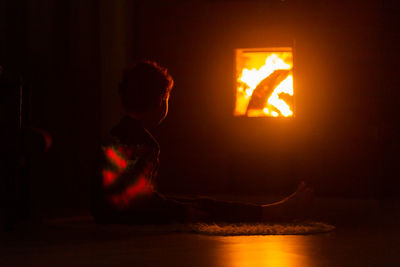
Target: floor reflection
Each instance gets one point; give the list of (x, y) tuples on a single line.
[(271, 251)]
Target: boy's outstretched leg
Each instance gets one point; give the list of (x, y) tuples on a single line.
[(295, 206)]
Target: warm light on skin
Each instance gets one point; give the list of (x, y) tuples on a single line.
[(253, 67), (154, 117)]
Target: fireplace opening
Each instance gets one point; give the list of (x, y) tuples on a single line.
[(264, 82)]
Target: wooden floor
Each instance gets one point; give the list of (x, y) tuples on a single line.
[(82, 243), (344, 247)]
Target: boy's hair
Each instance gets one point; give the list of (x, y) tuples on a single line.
[(143, 85)]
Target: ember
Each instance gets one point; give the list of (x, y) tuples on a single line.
[(264, 82)]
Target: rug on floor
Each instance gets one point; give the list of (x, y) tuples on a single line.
[(220, 229), (262, 229), (236, 229)]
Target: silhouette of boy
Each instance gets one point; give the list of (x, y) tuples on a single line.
[(123, 186)]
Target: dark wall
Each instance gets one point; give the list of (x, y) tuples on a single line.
[(343, 140), (339, 140), (52, 47)]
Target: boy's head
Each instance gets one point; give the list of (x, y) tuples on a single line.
[(145, 89)]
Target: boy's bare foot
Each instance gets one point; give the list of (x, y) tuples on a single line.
[(298, 205)]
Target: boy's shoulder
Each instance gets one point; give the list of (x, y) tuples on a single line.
[(131, 134)]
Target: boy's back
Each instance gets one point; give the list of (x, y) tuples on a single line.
[(123, 184)]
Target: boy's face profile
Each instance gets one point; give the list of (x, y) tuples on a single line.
[(162, 110), (144, 92), (156, 116)]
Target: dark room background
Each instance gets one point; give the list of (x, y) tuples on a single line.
[(343, 140)]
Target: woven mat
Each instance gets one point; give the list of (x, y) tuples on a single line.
[(297, 228), (229, 229), (262, 229)]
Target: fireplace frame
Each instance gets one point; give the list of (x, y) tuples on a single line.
[(283, 48)]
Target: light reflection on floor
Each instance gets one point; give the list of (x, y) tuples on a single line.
[(272, 251), (118, 246)]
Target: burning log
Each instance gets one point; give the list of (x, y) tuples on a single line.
[(265, 89), (264, 85), (286, 97)]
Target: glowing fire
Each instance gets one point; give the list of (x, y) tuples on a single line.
[(264, 82)]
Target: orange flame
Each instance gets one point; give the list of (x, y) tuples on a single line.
[(255, 65)]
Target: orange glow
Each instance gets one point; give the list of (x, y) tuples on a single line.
[(264, 82), (272, 251)]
